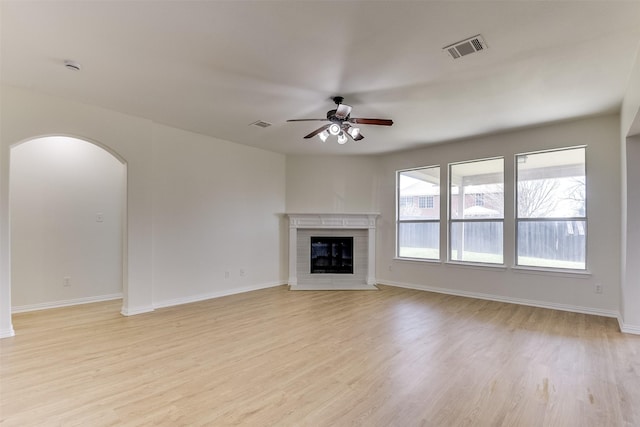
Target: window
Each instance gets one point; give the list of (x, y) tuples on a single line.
[(406, 201), (476, 211), (418, 226), (551, 221), (425, 202)]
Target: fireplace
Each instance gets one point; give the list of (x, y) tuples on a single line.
[(331, 255), (332, 251)]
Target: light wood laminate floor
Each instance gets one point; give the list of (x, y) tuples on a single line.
[(396, 357)]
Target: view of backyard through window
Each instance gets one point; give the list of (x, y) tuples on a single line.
[(476, 212), (551, 223), (419, 213), (551, 216)]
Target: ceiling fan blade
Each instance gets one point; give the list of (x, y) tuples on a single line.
[(307, 120), (317, 131), (343, 111), (358, 137), (381, 122)]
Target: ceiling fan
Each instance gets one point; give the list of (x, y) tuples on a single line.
[(341, 123)]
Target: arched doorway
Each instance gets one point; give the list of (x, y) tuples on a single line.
[(67, 205)]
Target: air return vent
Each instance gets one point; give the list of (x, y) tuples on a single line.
[(465, 47), (261, 124)]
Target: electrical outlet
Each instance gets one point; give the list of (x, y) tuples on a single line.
[(597, 288), (99, 217), (242, 272), (66, 281), (226, 274)]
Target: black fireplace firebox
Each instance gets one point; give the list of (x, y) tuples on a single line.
[(331, 255)]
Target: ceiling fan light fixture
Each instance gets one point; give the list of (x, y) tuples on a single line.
[(323, 135), (340, 123), (354, 132)]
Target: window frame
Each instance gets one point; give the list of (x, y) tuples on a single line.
[(437, 206), (518, 220)]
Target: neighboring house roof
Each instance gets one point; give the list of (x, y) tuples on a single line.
[(480, 211)]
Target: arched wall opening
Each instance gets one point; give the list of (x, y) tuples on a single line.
[(67, 203)]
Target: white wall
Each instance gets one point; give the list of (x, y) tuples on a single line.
[(6, 327), (630, 307), (332, 184), (157, 221), (569, 291), (368, 184), (630, 114), (27, 114), (630, 152), (216, 216), (58, 185)]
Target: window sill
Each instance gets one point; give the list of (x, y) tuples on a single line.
[(559, 272), (427, 260), (477, 265)]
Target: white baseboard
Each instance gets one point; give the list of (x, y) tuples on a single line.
[(217, 294), (520, 301), (7, 333), (334, 287), (132, 311), (64, 303), (627, 328)]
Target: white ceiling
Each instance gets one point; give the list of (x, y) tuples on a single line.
[(214, 67)]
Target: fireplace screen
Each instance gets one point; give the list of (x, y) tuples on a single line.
[(331, 255)]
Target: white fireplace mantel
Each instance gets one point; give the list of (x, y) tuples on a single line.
[(338, 222)]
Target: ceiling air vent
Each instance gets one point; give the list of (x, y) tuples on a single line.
[(261, 124), (465, 47)]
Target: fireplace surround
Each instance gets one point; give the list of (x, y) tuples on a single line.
[(305, 228)]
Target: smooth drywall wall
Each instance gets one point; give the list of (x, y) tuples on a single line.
[(66, 222), (27, 114), (630, 307), (365, 184), (630, 153), (630, 113), (217, 208), (6, 327), (568, 291), (332, 184)]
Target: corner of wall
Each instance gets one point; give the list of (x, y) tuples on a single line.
[(628, 328), (7, 333), (132, 311)]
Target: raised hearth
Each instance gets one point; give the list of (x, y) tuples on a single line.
[(307, 228)]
